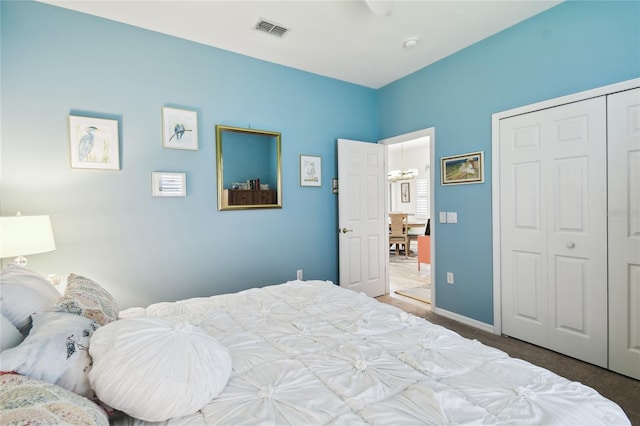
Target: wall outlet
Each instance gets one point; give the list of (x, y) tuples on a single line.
[(452, 217), (299, 274), (443, 217), (449, 277)]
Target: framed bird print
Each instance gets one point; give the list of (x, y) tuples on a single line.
[(179, 129), (93, 143)]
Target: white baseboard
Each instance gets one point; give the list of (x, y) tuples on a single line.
[(465, 320)]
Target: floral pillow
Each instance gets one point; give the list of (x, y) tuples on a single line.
[(25, 401), (22, 293), (55, 351), (87, 298)]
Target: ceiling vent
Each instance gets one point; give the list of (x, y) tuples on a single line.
[(271, 28)]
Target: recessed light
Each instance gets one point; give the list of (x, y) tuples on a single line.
[(410, 43)]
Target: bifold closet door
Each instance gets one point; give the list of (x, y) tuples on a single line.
[(553, 230), (624, 232)]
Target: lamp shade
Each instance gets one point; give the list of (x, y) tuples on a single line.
[(24, 235)]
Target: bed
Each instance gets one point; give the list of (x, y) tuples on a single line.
[(308, 353)]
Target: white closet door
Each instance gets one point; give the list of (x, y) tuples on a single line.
[(624, 232), (553, 230)]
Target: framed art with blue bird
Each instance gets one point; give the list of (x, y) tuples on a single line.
[(93, 143), (179, 129)]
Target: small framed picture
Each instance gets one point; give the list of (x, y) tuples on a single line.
[(165, 184), (404, 192), (310, 170), (93, 143), (179, 129), (464, 168)]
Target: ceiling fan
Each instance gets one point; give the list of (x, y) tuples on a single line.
[(380, 7)]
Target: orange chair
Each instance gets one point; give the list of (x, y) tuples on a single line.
[(424, 249)]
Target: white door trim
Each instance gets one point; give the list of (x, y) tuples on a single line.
[(431, 133), (495, 174)]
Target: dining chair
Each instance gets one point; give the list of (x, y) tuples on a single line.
[(398, 232)]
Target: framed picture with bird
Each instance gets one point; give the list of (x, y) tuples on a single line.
[(94, 143), (179, 128)]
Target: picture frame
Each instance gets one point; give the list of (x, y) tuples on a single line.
[(404, 192), (462, 169), (164, 184), (179, 128), (94, 143), (310, 170)]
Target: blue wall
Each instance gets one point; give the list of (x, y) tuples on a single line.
[(570, 48), (57, 62)]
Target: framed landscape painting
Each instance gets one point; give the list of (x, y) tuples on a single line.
[(464, 168)]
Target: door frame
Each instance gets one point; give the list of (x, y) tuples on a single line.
[(495, 174), (406, 137)]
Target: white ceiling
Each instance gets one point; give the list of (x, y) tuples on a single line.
[(338, 39)]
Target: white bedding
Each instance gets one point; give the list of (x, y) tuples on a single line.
[(313, 353)]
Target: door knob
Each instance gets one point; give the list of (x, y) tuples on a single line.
[(571, 245), (345, 230)]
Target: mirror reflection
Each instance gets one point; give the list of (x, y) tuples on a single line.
[(249, 170)]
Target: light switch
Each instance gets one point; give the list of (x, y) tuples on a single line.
[(443, 217), (452, 217)]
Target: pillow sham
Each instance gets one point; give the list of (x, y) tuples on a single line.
[(87, 298), (55, 351), (10, 336), (25, 401), (22, 293), (154, 369)]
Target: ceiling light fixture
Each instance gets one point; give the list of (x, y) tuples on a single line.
[(410, 43), (396, 175)]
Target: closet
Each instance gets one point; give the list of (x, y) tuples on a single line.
[(569, 226)]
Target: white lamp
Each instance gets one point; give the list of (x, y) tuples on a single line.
[(23, 235)]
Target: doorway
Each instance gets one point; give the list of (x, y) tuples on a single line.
[(410, 190)]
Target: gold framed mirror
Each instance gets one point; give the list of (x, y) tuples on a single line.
[(249, 168)]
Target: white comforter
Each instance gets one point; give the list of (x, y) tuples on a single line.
[(312, 353)]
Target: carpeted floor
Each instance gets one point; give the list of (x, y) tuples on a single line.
[(623, 390)]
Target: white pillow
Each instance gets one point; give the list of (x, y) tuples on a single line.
[(10, 336), (55, 351), (154, 369), (22, 293)]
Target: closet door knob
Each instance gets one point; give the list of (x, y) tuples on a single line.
[(571, 245)]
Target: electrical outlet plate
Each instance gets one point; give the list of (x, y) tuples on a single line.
[(449, 277), (299, 274), (443, 217), (452, 217)]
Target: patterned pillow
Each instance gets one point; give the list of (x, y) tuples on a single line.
[(85, 297), (27, 401), (56, 351), (22, 293)]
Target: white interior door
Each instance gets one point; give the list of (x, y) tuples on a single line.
[(624, 232), (363, 228), (553, 230)]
